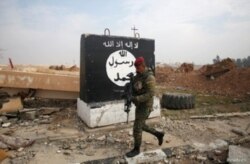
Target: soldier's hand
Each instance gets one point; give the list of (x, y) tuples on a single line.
[(134, 100)]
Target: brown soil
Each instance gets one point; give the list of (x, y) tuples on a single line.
[(234, 83)]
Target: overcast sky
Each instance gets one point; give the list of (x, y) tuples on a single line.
[(48, 31)]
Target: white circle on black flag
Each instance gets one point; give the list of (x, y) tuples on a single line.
[(118, 65)]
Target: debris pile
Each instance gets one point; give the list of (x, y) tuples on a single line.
[(218, 68), (185, 68), (9, 142), (234, 83), (73, 68)]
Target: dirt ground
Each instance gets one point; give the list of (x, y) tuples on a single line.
[(61, 137), (66, 139)]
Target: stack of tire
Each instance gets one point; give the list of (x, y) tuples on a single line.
[(177, 101)]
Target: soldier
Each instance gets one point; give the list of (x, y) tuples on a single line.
[(143, 92)]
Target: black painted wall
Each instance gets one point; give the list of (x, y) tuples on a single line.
[(96, 60)]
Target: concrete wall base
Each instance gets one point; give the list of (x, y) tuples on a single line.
[(108, 113)]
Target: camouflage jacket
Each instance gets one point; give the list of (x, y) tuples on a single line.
[(144, 89)]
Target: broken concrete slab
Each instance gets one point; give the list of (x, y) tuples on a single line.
[(6, 125), (44, 81), (13, 105), (147, 157), (48, 111), (15, 142), (238, 154), (31, 115), (201, 147), (218, 144), (239, 132)]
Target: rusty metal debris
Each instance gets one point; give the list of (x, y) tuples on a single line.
[(218, 68)]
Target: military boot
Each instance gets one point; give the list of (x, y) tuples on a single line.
[(133, 152), (159, 136)]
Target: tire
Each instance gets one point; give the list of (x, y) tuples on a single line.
[(178, 101)]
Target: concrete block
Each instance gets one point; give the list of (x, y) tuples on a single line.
[(237, 154), (97, 115), (31, 115), (147, 157)]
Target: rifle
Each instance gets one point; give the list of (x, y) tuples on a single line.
[(128, 94)]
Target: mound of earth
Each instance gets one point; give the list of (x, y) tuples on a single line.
[(234, 82)]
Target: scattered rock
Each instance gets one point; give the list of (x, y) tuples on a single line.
[(205, 104), (44, 121), (118, 140), (122, 161), (217, 152), (110, 140), (218, 144), (236, 100), (81, 146), (102, 138), (66, 146), (45, 116), (201, 158), (244, 140), (201, 147), (130, 133), (15, 142), (166, 161), (31, 115), (20, 149), (212, 77), (3, 119), (239, 132), (66, 153), (48, 111), (90, 153), (6, 125), (185, 68)]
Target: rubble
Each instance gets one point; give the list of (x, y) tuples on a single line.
[(218, 144), (14, 142), (73, 68), (6, 125), (185, 68), (29, 115), (218, 68), (239, 132)]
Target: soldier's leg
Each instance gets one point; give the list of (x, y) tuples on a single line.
[(137, 131), (137, 134), (151, 130)]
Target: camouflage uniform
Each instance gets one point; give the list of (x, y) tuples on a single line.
[(143, 92)]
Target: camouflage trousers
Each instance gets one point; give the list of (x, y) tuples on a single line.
[(141, 114)]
